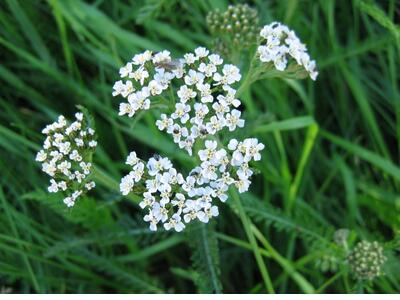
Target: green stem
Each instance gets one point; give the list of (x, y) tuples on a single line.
[(328, 282), (285, 264), (253, 243), (308, 145), (249, 79)]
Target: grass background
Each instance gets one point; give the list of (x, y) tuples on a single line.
[(331, 160)]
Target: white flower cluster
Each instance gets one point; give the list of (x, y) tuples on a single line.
[(66, 156), (146, 76), (207, 102), (174, 200), (279, 43)]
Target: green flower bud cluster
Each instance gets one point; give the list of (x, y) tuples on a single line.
[(327, 263), (366, 260), (237, 26)]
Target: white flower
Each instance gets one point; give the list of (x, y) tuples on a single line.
[(142, 58), (79, 116), (187, 144), (209, 170), (132, 159), (64, 167), (201, 110), (194, 77), (201, 52), (148, 200), (207, 69), (155, 88), (215, 124), (126, 184), (179, 201), (189, 184), (152, 219), (41, 156), (49, 168), (85, 167), (125, 70), (207, 214), (190, 58), (164, 123), (185, 93), (118, 88), (215, 59), (175, 223), (220, 108), (160, 212), (174, 177), (139, 99), (177, 132), (209, 152), (53, 188), (62, 185), (229, 99), (190, 210), (253, 148), (79, 176), (231, 74), (65, 148), (158, 164), (165, 194), (242, 184), (126, 109), (162, 57), (181, 112), (69, 201), (79, 142), (220, 190), (233, 143), (233, 120), (138, 171), (90, 185), (163, 78), (75, 156), (205, 91)]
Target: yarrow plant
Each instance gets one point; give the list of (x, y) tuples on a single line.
[(201, 111), (66, 156), (199, 91)]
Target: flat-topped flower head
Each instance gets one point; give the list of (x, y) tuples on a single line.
[(205, 98), (171, 200), (280, 46), (67, 154)]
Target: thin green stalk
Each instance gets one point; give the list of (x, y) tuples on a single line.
[(239, 243), (247, 227), (308, 145), (328, 282), (285, 264)]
